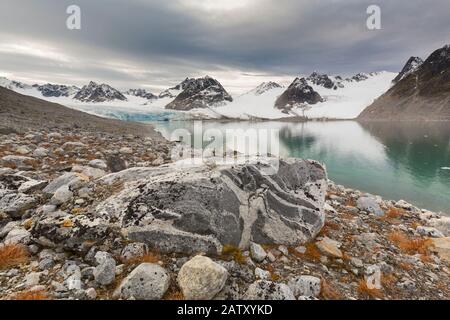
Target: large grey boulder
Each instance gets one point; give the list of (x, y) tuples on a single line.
[(200, 209), (201, 278), (147, 282)]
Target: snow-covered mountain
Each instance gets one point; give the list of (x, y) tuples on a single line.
[(13, 85), (56, 90), (325, 81), (411, 66), (173, 92), (297, 95), (200, 93), (94, 92), (264, 87), (141, 93), (193, 98)]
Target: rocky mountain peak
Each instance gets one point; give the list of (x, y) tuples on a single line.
[(411, 66), (264, 87), (142, 93), (423, 94), (296, 95), (56, 90), (200, 93), (324, 80), (94, 92)]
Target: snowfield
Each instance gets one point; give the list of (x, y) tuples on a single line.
[(343, 103)]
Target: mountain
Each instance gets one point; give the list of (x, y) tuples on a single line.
[(142, 93), (56, 90), (175, 91), (411, 66), (13, 85), (298, 94), (200, 93), (325, 81), (94, 92), (421, 95), (265, 87)]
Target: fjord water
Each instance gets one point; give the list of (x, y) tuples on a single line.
[(409, 161)]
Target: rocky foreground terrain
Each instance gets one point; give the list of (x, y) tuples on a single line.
[(105, 216), (92, 208)]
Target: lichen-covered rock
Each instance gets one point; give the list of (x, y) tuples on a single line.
[(147, 282), (199, 209), (305, 286), (201, 278), (77, 233), (15, 204), (267, 290)]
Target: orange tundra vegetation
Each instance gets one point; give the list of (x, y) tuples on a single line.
[(12, 255), (365, 291), (408, 244), (31, 295)]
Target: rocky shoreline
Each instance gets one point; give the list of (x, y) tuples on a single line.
[(87, 215)]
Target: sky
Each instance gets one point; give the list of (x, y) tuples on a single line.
[(156, 44)]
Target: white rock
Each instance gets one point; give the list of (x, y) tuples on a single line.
[(257, 252), (262, 274), (201, 278), (429, 232), (305, 286), (267, 290)]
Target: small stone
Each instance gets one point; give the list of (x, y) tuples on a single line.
[(370, 205), (61, 196), (32, 279), (283, 250), (356, 262), (99, 164), (105, 271), (133, 251), (429, 232), (32, 186), (329, 247), (257, 252), (262, 274), (91, 293)]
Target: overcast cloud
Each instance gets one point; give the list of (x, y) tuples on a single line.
[(155, 44)]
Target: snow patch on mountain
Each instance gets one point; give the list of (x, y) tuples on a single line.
[(412, 65)]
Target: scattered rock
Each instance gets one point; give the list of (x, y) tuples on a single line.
[(147, 282), (267, 290), (201, 278)]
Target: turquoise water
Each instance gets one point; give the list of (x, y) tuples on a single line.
[(409, 161)]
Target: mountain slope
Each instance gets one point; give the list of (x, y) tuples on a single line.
[(22, 113), (421, 95), (200, 93)]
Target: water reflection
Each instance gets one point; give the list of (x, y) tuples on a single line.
[(395, 160)]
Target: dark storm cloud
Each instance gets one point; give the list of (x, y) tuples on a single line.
[(139, 42)]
